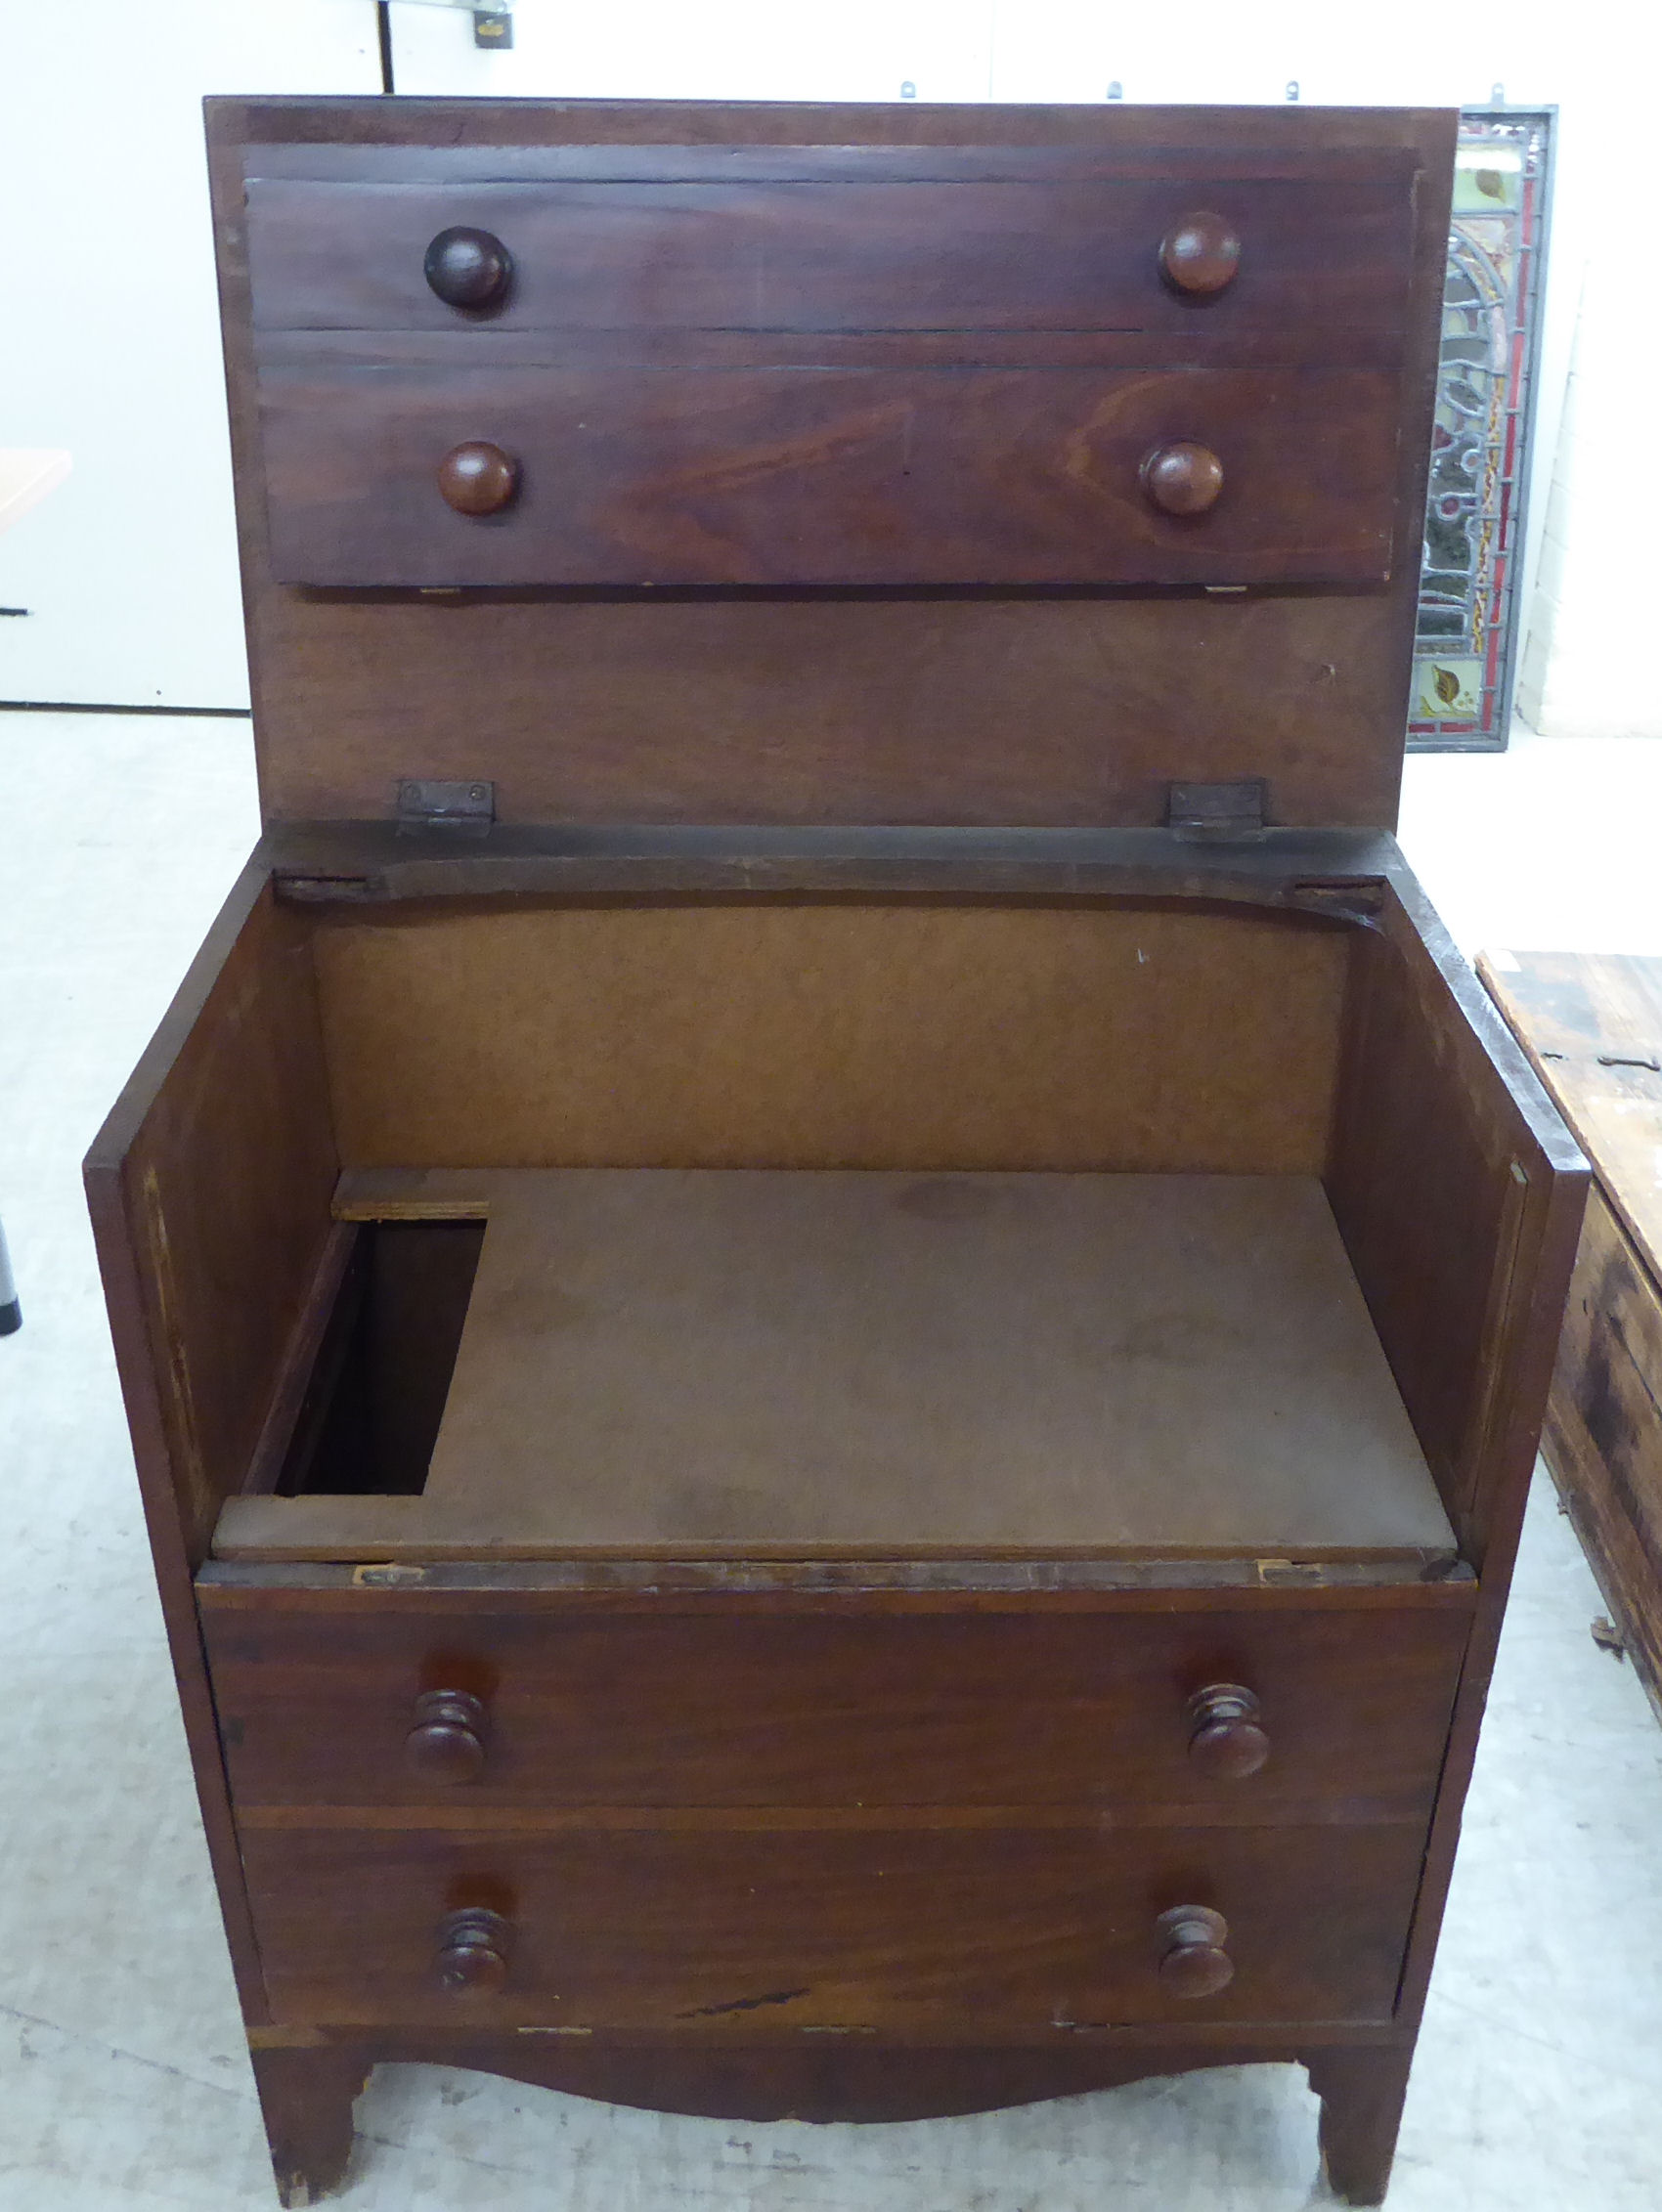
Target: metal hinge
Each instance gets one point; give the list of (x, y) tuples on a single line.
[(1217, 809), (464, 809)]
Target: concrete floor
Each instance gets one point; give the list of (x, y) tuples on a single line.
[(123, 2079)]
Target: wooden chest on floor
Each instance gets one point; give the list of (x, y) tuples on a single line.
[(834, 1305), (1592, 1025)]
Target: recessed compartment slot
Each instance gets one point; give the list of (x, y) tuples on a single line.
[(372, 1411)]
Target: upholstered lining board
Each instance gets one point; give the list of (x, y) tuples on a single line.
[(763, 1364), (780, 1032)]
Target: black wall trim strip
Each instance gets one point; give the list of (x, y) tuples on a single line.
[(383, 27), (81, 706)]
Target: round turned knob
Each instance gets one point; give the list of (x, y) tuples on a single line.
[(1182, 478), (447, 1741), (1225, 1739), (1200, 254), (472, 1956), (1193, 1960), (478, 478), (468, 268)]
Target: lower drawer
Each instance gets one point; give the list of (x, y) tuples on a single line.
[(949, 1930)]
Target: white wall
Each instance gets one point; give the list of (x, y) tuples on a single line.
[(110, 331), (1589, 667)]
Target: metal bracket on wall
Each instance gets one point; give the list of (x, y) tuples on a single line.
[(492, 27)]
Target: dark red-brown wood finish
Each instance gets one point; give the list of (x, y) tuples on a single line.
[(933, 490), (587, 702)]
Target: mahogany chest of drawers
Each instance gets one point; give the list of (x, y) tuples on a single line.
[(834, 1303)]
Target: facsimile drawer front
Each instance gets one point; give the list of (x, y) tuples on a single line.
[(513, 475), (1318, 260), (1007, 367)]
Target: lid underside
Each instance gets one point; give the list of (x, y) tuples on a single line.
[(828, 439)]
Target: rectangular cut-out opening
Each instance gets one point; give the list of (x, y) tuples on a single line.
[(376, 1396)]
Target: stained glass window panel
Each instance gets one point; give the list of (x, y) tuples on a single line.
[(1466, 646)]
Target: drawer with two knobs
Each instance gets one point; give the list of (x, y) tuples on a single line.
[(1271, 1711), (940, 1926), (830, 1819)]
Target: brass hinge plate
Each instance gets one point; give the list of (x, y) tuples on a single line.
[(464, 809), (1218, 809)]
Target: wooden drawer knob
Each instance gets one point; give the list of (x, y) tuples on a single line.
[(1182, 478), (1193, 1960), (472, 1952), (1200, 254), (468, 268), (1226, 1740), (478, 478), (447, 1741)]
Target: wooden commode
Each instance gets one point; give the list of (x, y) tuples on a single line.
[(834, 1303)]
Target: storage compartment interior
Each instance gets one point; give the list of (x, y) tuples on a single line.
[(377, 1394), (900, 1229)]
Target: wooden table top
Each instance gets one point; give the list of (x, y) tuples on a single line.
[(1592, 1025)]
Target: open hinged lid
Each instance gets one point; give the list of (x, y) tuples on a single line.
[(693, 464)]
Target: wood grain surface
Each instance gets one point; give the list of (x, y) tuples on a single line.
[(845, 1365), (974, 1930), (204, 1187), (224, 1153), (1449, 1170), (1338, 875), (308, 2096), (816, 476), (988, 249), (836, 708), (845, 710), (1592, 1025), (955, 1934), (1501, 1261), (924, 468), (842, 1707), (1604, 1435)]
